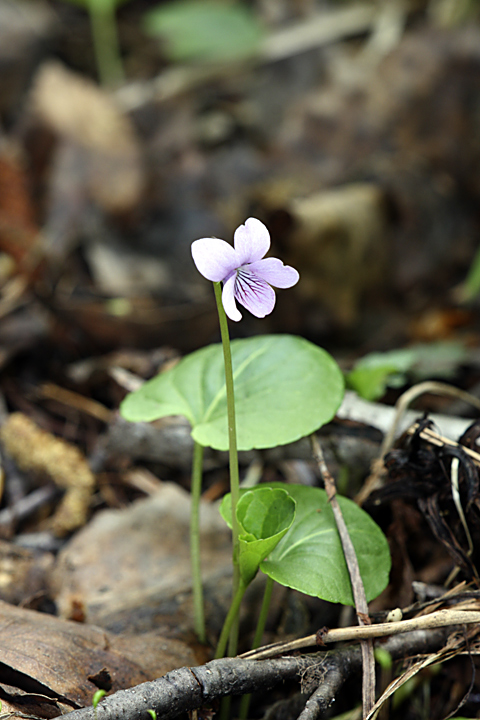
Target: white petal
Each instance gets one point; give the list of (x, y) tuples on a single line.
[(251, 241), (254, 293), (228, 299), (215, 259), (275, 272)]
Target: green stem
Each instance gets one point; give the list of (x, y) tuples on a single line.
[(233, 453), (196, 489), (235, 629), (229, 620), (105, 42), (257, 640), (232, 428), (262, 618)]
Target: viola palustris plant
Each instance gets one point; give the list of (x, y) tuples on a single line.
[(262, 392)]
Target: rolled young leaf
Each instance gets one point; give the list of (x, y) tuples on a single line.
[(264, 514)]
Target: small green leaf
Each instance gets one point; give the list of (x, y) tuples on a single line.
[(371, 382), (471, 286), (97, 696), (152, 714), (384, 658), (374, 372), (285, 388), (98, 5), (208, 31), (264, 514), (310, 557)]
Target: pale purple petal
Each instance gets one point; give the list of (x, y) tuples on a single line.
[(251, 241), (254, 293), (275, 272), (228, 299), (215, 259)]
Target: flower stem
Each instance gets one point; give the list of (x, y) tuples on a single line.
[(196, 488), (262, 621), (105, 42), (232, 451)]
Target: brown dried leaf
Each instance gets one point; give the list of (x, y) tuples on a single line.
[(338, 246), (40, 452), (131, 567), (87, 118), (62, 659), (18, 703), (23, 572), (18, 229)]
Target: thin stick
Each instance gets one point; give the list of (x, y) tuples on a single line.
[(368, 659), (437, 619), (434, 438)]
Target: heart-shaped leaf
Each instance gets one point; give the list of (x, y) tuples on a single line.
[(310, 558), (285, 388), (264, 514)]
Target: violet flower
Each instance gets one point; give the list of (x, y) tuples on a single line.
[(246, 275)]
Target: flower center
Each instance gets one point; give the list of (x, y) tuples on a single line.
[(247, 283)]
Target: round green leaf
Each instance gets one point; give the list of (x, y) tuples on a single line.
[(285, 388), (208, 31), (310, 558)]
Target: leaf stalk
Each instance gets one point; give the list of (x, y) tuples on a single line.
[(196, 489)]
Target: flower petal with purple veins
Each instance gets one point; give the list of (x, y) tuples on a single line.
[(273, 271), (215, 259), (253, 293), (228, 299), (246, 275), (252, 241)]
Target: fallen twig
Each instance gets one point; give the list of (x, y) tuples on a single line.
[(439, 618), (190, 688), (358, 590)]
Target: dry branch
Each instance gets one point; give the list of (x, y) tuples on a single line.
[(190, 688)]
